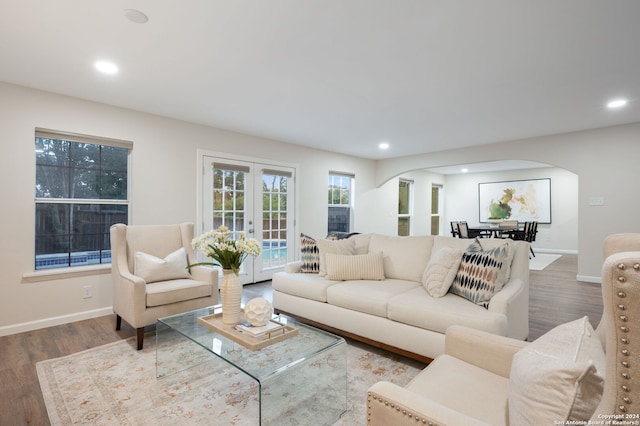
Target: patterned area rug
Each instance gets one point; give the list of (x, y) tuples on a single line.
[(115, 384), (542, 260)]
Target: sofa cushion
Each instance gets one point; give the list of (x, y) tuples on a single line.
[(152, 269), (480, 271), (308, 286), (355, 267), (346, 246), (309, 255), (404, 257), (415, 307), (361, 242), (172, 291), (370, 297), (441, 270), (556, 378)]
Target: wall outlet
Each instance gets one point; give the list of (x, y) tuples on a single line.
[(87, 292), (596, 201)]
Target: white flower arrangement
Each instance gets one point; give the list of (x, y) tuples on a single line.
[(225, 251)]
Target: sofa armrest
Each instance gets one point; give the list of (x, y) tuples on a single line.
[(293, 267), (485, 350), (390, 404), (203, 273), (513, 302)]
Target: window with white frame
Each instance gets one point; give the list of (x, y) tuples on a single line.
[(340, 190), (81, 189), (436, 208), (405, 206)]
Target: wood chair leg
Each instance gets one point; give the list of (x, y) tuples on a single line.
[(140, 337), (118, 322)]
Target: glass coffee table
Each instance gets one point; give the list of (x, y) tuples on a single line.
[(300, 380)]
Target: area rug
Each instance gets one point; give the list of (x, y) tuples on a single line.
[(542, 260), (115, 384)]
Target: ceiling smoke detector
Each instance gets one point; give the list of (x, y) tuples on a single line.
[(135, 16)]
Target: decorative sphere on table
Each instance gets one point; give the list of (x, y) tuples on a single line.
[(258, 311)]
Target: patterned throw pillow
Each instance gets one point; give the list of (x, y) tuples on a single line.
[(309, 255), (478, 276)]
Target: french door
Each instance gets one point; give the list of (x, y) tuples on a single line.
[(256, 199)]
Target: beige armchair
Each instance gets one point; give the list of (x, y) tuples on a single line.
[(477, 380), (150, 279)]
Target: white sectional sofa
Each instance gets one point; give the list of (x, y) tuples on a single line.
[(370, 287)]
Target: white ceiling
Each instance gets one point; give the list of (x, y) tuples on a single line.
[(341, 75), (488, 166)]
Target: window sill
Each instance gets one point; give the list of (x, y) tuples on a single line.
[(64, 273)]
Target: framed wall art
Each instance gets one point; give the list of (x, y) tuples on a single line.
[(522, 200)]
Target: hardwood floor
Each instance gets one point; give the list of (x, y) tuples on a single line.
[(555, 297)]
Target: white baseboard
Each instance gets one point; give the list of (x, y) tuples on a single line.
[(589, 279), (49, 322)]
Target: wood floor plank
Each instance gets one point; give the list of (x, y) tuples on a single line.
[(555, 297)]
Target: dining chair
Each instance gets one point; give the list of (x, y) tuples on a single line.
[(507, 228), (463, 230), (454, 228), (528, 234)]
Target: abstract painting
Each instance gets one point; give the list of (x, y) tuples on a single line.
[(521, 200)]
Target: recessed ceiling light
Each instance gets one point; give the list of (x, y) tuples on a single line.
[(106, 67), (617, 103), (135, 16), (383, 145), (464, 170)]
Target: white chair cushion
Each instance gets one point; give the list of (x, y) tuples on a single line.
[(558, 376), (441, 270), (465, 388), (166, 292), (356, 267), (153, 269)]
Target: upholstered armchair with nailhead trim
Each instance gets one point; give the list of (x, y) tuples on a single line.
[(477, 380)]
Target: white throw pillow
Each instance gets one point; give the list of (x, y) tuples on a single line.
[(441, 270), (152, 269), (343, 267), (558, 377), (346, 246)]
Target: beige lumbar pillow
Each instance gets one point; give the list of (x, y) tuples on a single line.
[(441, 270), (152, 269), (344, 267), (346, 246), (558, 377)]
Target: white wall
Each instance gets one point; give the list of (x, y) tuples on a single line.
[(561, 236), (162, 187), (605, 161)]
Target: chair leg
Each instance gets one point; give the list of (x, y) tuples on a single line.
[(118, 322), (531, 248), (140, 337)]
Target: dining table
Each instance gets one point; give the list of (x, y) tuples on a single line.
[(495, 231)]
